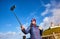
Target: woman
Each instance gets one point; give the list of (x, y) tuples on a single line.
[(34, 30)]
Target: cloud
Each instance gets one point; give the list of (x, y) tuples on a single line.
[(46, 10), (13, 35), (18, 28), (10, 35), (46, 23), (54, 8), (56, 16), (21, 33)]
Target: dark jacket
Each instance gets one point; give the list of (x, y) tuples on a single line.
[(35, 33)]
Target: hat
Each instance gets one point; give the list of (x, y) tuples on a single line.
[(33, 20)]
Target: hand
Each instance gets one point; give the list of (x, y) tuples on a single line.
[(22, 27), (40, 28)]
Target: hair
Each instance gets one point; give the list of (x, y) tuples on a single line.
[(32, 21), (32, 24)]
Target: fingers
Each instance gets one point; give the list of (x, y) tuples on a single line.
[(40, 28), (22, 27)]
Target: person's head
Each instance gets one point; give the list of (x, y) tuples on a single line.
[(33, 21)]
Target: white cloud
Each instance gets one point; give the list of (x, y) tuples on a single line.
[(46, 19), (56, 16), (10, 35), (21, 33), (46, 23), (55, 12), (48, 6), (54, 8), (18, 28), (13, 35), (55, 3), (46, 10)]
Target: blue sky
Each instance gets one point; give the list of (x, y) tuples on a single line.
[(24, 8), (42, 10)]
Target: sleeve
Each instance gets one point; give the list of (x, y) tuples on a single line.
[(26, 31), (41, 30)]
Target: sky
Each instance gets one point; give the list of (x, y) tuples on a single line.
[(44, 11)]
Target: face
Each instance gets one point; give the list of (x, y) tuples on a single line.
[(33, 22)]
